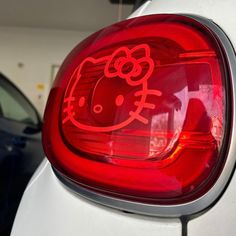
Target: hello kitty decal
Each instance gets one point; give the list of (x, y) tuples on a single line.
[(123, 75)]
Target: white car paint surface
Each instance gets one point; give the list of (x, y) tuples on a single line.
[(48, 208)]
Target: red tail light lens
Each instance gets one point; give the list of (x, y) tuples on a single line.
[(138, 111)]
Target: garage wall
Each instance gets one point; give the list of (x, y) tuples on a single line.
[(30, 57)]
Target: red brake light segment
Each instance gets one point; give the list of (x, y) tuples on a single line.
[(138, 111)]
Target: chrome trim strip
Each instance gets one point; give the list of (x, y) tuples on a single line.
[(213, 194)]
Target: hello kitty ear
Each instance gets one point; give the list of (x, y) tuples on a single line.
[(140, 51), (89, 62)]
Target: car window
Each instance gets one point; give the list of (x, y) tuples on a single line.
[(14, 106)]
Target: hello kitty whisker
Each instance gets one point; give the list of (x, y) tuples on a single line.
[(68, 109), (69, 99), (139, 117), (68, 117), (69, 112), (65, 119), (149, 92), (146, 105)]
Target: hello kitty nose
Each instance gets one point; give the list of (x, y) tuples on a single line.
[(97, 109)]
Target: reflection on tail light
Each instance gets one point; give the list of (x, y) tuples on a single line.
[(138, 111)]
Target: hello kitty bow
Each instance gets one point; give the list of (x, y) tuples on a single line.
[(134, 65)]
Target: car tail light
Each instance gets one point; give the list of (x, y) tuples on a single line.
[(138, 111)]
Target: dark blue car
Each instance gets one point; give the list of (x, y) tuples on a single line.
[(20, 149)]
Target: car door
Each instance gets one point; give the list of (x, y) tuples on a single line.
[(20, 148)]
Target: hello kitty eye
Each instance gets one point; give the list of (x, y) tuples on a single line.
[(119, 100), (81, 101)]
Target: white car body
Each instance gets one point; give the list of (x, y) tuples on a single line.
[(49, 208)]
